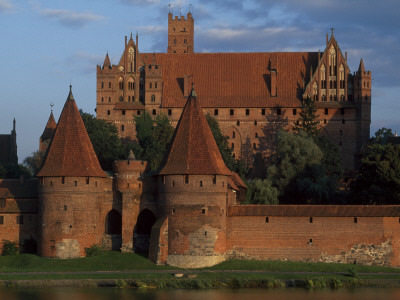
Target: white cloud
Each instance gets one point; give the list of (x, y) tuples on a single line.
[(5, 5), (69, 17)]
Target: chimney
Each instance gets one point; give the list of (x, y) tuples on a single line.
[(273, 72), (186, 85)]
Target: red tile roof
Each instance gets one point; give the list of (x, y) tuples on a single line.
[(71, 152), (129, 105), (315, 210), (234, 79), (193, 148), (15, 188), (50, 128)]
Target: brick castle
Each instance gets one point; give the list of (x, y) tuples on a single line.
[(243, 91), (188, 214)]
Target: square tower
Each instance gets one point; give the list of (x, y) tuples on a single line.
[(180, 34)]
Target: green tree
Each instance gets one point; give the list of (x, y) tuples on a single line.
[(225, 150), (381, 135), (294, 153), (104, 137), (331, 159), (307, 121), (154, 137), (261, 192), (34, 161), (378, 181)]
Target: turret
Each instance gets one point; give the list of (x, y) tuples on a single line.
[(192, 194), (48, 133), (72, 188), (180, 34)]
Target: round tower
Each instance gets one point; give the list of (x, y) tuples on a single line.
[(72, 189), (192, 194)]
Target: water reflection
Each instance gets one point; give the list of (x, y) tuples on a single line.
[(218, 294)]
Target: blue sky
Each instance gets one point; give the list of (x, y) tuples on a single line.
[(46, 44)]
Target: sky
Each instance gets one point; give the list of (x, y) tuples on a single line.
[(46, 45)]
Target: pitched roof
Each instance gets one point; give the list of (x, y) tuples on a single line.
[(107, 63), (50, 128), (71, 152), (234, 79), (193, 148), (361, 67), (14, 188)]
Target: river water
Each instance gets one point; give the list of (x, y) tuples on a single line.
[(217, 294)]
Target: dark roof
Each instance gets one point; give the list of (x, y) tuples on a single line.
[(50, 128), (71, 153), (129, 105), (193, 148), (234, 79), (315, 210), (15, 188)]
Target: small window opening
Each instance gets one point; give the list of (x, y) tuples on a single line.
[(123, 112), (311, 219), (203, 211), (355, 220), (87, 180), (65, 208), (173, 183), (266, 219), (75, 183), (186, 179), (154, 112), (255, 123), (247, 111), (231, 112), (310, 241), (233, 134), (215, 180), (326, 111), (279, 111), (201, 183), (173, 211), (108, 112), (215, 112), (1, 220), (294, 111), (263, 112), (205, 233), (169, 112), (63, 180), (238, 123)]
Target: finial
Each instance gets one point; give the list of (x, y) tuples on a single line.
[(190, 6), (332, 29), (51, 105), (14, 124), (70, 87)]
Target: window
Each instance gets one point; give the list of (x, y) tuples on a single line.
[(102, 85), (108, 112), (355, 220), (87, 180), (186, 179), (123, 112), (153, 98), (254, 146), (102, 99), (138, 112), (63, 180), (122, 127), (341, 132), (173, 211), (311, 219), (174, 41), (109, 99), (255, 123), (169, 112), (150, 85), (325, 122), (233, 134), (75, 183), (154, 112), (266, 219), (326, 111), (65, 208), (155, 85), (238, 123), (263, 112), (215, 181), (184, 41), (294, 111), (279, 111), (231, 112), (201, 183), (215, 112), (256, 135), (203, 211), (1, 220), (247, 111), (109, 85), (233, 146)]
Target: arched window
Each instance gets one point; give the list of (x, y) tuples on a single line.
[(122, 127), (233, 134), (323, 77), (150, 85), (332, 61), (341, 77), (315, 91), (153, 98), (102, 85), (121, 83)]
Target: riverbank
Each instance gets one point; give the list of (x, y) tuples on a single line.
[(114, 269)]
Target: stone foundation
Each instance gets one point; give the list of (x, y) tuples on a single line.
[(67, 248), (194, 261)]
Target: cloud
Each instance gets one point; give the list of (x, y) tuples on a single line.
[(86, 62), (69, 17), (140, 2), (5, 5)]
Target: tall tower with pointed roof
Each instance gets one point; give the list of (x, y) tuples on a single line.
[(72, 189), (192, 195), (48, 133)]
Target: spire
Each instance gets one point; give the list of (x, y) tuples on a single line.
[(193, 148), (107, 63), (14, 124), (50, 128), (361, 68), (71, 153)]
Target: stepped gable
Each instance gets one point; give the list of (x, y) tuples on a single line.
[(193, 148), (71, 153), (228, 80), (50, 128)]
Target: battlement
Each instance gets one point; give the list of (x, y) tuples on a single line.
[(181, 18)]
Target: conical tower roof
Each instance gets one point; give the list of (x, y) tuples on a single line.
[(71, 153), (50, 128), (193, 148), (361, 67), (107, 63)]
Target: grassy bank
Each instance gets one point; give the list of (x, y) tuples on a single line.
[(131, 270)]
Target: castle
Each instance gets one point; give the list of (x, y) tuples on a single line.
[(188, 213), (243, 91)]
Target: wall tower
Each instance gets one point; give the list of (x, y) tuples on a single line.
[(180, 34)]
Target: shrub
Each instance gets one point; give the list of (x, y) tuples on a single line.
[(9, 248), (94, 250)]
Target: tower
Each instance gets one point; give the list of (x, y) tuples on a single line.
[(72, 189), (48, 133), (362, 97), (192, 195), (180, 34)]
